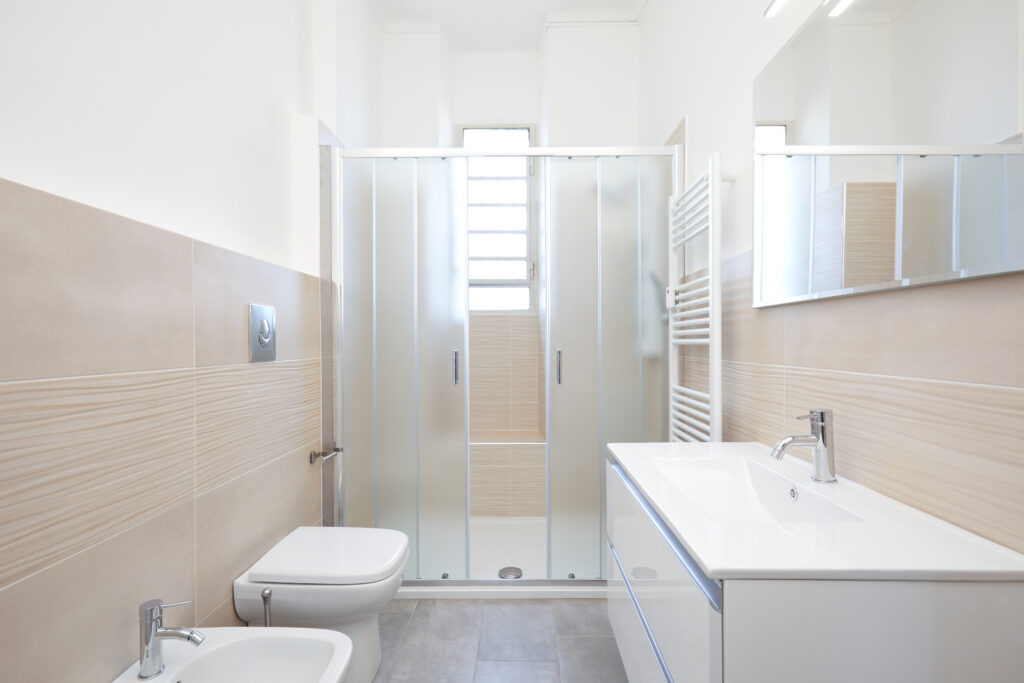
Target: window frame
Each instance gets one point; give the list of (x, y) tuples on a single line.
[(530, 282)]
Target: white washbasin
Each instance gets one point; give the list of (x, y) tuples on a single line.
[(731, 506), (254, 655), (743, 490)]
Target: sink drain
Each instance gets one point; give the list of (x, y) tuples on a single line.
[(510, 573)]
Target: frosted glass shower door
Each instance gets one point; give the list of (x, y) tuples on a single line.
[(574, 472), (443, 377), (395, 410)]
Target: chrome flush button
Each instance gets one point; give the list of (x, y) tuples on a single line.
[(262, 334)]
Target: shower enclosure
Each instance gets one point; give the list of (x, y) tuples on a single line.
[(589, 357)]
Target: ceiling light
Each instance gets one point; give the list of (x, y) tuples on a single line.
[(840, 7), (773, 8)]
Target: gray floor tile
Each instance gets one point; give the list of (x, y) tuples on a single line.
[(518, 630), (400, 605), (516, 672), (590, 659), (393, 625), (581, 617), (440, 644)]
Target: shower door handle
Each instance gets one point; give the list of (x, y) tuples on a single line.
[(558, 366), (455, 367)]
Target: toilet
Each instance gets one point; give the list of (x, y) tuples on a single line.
[(336, 578)]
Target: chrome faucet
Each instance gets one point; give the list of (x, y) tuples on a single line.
[(152, 632), (823, 458)]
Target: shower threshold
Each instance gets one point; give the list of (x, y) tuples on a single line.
[(496, 589)]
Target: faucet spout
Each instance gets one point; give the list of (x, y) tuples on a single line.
[(784, 444), (189, 635), (821, 441)]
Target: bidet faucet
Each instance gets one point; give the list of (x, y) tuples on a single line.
[(821, 441), (152, 632)]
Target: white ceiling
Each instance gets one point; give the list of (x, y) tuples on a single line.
[(505, 25)]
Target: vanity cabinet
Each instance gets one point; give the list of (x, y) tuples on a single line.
[(673, 622)]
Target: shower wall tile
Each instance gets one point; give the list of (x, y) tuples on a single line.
[(239, 521), (88, 604), (248, 415), (64, 271), (84, 458), (227, 282), (506, 377), (528, 470), (489, 480)]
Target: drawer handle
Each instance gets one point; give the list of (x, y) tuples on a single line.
[(711, 588), (644, 573)]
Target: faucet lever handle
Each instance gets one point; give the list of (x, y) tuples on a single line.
[(176, 604), (815, 415)]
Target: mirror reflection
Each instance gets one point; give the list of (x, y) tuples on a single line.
[(887, 149)]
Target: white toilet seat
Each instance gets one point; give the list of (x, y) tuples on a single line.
[(333, 555), (336, 578)]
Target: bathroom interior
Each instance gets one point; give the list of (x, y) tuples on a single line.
[(396, 341)]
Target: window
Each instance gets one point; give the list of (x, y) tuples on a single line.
[(501, 265)]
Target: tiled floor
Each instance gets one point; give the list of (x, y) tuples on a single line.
[(498, 641)]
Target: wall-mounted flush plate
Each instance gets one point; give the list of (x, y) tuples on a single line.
[(262, 334)]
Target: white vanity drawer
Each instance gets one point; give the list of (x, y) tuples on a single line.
[(635, 648), (687, 628)]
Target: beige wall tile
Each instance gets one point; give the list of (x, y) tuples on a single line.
[(227, 282), (506, 373), (753, 335), (88, 292), (237, 522), (248, 415), (967, 331), (752, 406), (489, 480), (79, 619), (528, 466), (84, 458), (224, 615), (954, 450)]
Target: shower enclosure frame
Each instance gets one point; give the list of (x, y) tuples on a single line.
[(674, 169)]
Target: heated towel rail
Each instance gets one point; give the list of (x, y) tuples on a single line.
[(694, 304)]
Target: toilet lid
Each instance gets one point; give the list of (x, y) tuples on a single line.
[(333, 555)]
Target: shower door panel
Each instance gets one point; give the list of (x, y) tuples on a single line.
[(395, 409), (574, 458), (357, 340), (619, 374), (443, 378)]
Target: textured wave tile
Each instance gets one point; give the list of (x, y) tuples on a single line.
[(752, 407), (84, 458), (248, 415), (88, 605), (954, 450)]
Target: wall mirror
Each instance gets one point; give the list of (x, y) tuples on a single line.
[(887, 149)]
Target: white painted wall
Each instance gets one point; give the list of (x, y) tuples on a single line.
[(177, 114), (496, 88), (590, 84), (411, 89), (698, 60), (358, 49), (956, 72)]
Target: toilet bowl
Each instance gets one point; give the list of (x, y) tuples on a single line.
[(336, 578)]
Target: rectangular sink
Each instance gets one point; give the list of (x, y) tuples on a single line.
[(743, 515), (742, 490)]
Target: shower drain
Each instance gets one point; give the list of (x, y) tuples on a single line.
[(510, 573)]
